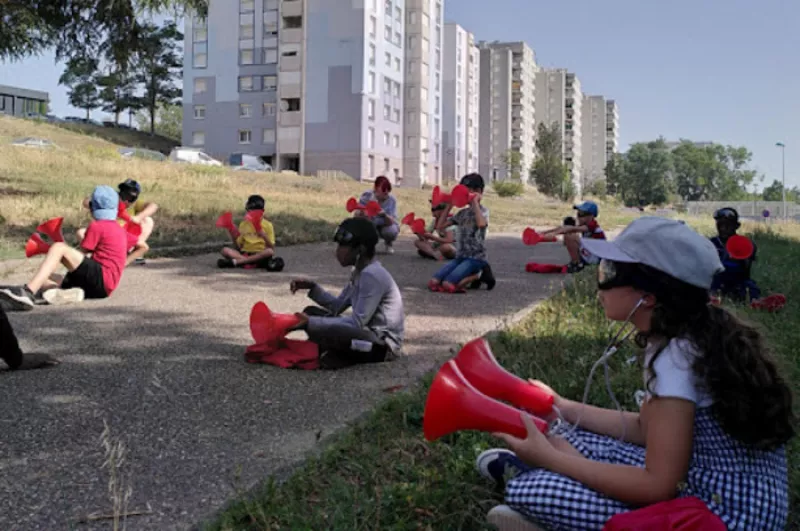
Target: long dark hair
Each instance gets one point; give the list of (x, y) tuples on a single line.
[(752, 401)]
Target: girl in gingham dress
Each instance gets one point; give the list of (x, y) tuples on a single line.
[(715, 417)]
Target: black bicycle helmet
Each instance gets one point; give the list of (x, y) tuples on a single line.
[(129, 190), (353, 232), (255, 202)]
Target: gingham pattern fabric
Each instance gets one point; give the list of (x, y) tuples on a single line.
[(747, 489)]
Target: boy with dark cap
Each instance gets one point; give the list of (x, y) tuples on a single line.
[(734, 282), (586, 226)]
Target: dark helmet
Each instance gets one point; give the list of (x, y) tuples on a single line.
[(353, 232), (255, 202), (129, 190), (473, 181)]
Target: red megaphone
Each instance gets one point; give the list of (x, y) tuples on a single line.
[(481, 369), (255, 217), (225, 221), (739, 247), (408, 219), (418, 226), (531, 237), (460, 196), (122, 212), (266, 326), (352, 205), (533, 267), (36, 245), (52, 229), (438, 197), (372, 209), (453, 404)]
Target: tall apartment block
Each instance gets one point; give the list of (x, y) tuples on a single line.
[(559, 99), (423, 93), (309, 85), (507, 102), (612, 129), (593, 133), (460, 97)]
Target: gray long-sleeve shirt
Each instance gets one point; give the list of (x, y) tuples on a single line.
[(376, 302)]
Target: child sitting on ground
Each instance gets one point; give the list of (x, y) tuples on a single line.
[(437, 244), (715, 413), (375, 329), (254, 245), (11, 353), (471, 261), (586, 227), (94, 275), (386, 220), (734, 282)]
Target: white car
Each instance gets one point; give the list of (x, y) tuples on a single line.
[(192, 156)]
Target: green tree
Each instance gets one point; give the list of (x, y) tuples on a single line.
[(597, 188), (711, 173), (118, 93), (169, 121), (646, 179), (159, 64), (615, 174), (80, 78), (774, 192), (549, 173)]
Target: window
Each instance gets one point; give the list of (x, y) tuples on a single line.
[(199, 112), (387, 59), (270, 5), (270, 56), (290, 104), (245, 84), (292, 22), (268, 136), (246, 26), (386, 165), (200, 54), (371, 83), (373, 25), (436, 152), (246, 6), (245, 57), (397, 65), (270, 82), (412, 65), (396, 116), (436, 128), (423, 120), (387, 8), (412, 42), (370, 138), (372, 54), (270, 23), (411, 117), (411, 142), (245, 110), (370, 166), (458, 121), (438, 80), (245, 137), (396, 89), (398, 39), (387, 33), (387, 85), (200, 34), (198, 138), (438, 13), (387, 138), (438, 59), (436, 105), (387, 112), (268, 109), (396, 141), (412, 17), (200, 86), (398, 14), (371, 109)]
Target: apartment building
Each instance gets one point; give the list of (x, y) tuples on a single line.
[(460, 97), (309, 85), (559, 99), (612, 129), (423, 93), (593, 139), (507, 107)]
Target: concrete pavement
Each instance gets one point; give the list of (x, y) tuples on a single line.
[(161, 362)]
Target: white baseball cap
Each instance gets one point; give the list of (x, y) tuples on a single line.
[(669, 246)]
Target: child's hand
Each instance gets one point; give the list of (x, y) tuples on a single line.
[(534, 450), (300, 283), (558, 402)]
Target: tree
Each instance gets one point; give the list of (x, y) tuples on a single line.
[(597, 188), (159, 63), (774, 192), (615, 174), (169, 121), (549, 173), (512, 160), (646, 176), (711, 173), (79, 77), (118, 93)]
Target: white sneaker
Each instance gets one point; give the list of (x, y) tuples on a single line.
[(58, 297), (389, 249), (505, 518)]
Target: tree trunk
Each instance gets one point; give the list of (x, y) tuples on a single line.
[(87, 113)]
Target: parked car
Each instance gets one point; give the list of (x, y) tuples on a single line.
[(192, 156), (141, 153), (33, 142), (247, 162)]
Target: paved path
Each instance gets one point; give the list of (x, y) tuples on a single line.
[(162, 363)]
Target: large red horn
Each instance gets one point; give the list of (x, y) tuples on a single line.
[(453, 404), (266, 326), (408, 219), (36, 245), (352, 205), (461, 196), (255, 217), (530, 236), (52, 229), (372, 209), (481, 369), (739, 247), (225, 221)]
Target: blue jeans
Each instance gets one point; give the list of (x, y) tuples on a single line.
[(736, 289), (457, 270)]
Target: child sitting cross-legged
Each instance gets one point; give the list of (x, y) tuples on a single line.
[(434, 243), (254, 245)]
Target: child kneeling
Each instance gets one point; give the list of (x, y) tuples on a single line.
[(253, 245), (374, 331)]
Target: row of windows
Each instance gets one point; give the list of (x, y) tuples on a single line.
[(245, 136), (246, 109)]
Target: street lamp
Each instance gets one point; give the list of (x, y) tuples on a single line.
[(783, 172)]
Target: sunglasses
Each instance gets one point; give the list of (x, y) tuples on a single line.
[(343, 237)]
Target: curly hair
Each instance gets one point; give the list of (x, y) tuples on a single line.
[(752, 401)]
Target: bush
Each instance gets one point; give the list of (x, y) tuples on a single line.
[(598, 188), (508, 188)]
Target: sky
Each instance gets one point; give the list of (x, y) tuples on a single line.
[(726, 71)]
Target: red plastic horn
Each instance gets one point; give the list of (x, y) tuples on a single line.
[(122, 212), (266, 326), (461, 196), (418, 226), (408, 219), (373, 208), (255, 217), (739, 247), (438, 197), (533, 267), (352, 205), (453, 404), (52, 229), (36, 245), (481, 369), (225, 221), (530, 237)]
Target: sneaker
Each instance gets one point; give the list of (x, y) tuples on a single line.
[(18, 298), (59, 297), (487, 277), (505, 518), (498, 464), (223, 263), (330, 360), (140, 261), (575, 267), (388, 248)]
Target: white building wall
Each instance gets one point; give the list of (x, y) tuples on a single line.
[(593, 133), (460, 103)]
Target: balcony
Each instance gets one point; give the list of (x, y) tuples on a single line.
[(292, 8), (290, 118), (290, 63), (291, 35)]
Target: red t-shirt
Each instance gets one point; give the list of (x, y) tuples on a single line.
[(594, 232), (107, 242)]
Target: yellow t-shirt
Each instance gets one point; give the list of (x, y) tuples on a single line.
[(249, 241), (134, 209)]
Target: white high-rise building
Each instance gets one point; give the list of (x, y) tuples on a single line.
[(423, 92), (593, 139), (460, 96), (507, 107), (559, 99), (612, 129)]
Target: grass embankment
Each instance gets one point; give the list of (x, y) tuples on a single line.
[(382, 474), (36, 185)]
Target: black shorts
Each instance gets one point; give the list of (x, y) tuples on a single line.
[(89, 277)]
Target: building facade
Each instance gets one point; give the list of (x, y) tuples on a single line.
[(309, 85), (16, 101), (612, 129), (460, 103), (593, 139), (507, 108)]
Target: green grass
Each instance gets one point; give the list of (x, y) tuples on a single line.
[(382, 474)]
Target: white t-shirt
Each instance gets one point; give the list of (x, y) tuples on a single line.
[(674, 376)]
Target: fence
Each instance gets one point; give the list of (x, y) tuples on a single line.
[(746, 209)]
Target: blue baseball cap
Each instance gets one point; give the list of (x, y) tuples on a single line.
[(104, 203), (590, 207)]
